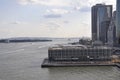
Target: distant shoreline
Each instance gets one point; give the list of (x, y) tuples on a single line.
[(23, 40)]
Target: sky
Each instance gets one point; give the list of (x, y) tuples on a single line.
[(47, 18)]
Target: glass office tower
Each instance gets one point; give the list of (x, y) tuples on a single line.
[(101, 16), (112, 31), (118, 22)]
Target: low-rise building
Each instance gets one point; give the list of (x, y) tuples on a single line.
[(79, 53)]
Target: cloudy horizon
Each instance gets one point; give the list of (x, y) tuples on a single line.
[(47, 18)]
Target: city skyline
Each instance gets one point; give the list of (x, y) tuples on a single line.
[(47, 18)]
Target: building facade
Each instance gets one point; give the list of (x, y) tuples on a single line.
[(112, 31), (118, 22), (79, 54), (101, 16)]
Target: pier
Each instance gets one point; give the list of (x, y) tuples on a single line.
[(118, 65), (47, 63), (80, 56)]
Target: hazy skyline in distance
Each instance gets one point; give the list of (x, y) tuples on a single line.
[(47, 18)]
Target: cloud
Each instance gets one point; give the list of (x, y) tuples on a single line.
[(46, 2), (12, 22), (16, 22), (52, 16), (80, 5), (65, 22), (23, 2), (66, 3), (85, 5), (84, 9), (58, 11), (55, 13), (53, 25)]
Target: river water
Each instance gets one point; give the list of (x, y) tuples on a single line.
[(22, 61)]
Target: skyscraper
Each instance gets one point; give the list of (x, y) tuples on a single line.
[(118, 22), (112, 31), (101, 15)]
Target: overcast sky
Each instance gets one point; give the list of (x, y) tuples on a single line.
[(47, 18)]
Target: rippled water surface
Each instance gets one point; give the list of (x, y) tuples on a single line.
[(22, 61)]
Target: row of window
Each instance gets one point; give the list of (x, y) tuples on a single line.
[(75, 54), (89, 50)]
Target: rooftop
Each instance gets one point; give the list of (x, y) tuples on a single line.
[(60, 47)]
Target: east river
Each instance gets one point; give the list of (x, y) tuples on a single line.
[(22, 61)]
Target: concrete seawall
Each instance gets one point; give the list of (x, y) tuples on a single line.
[(47, 63)]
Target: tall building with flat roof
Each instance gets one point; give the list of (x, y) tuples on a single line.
[(101, 16), (118, 22), (112, 31)]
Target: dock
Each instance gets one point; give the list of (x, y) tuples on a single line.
[(47, 63), (118, 65)]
